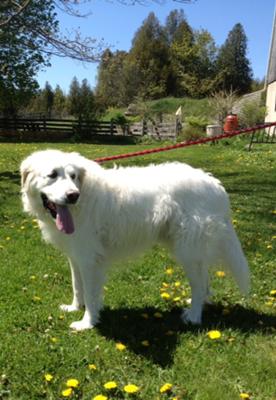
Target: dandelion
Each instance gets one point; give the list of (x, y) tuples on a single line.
[(167, 387), (165, 295), (131, 388), (269, 246), (72, 383), (176, 299), (244, 396), (110, 385), (33, 277), (177, 284), (272, 292), (48, 377), (165, 285), (54, 339), (36, 298), (145, 343), (67, 392), (100, 397), (214, 335), (169, 271), (120, 346), (220, 274), (92, 367)]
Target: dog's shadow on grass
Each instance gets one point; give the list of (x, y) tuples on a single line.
[(154, 334)]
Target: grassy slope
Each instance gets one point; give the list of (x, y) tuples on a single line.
[(34, 334)]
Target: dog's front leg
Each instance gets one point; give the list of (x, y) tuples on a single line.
[(78, 300), (92, 280)]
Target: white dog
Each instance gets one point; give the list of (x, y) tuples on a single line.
[(97, 216)]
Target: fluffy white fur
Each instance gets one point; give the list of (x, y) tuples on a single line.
[(123, 211)]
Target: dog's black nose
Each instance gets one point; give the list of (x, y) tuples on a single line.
[(72, 197)]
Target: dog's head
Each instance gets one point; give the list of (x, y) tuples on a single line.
[(51, 182)]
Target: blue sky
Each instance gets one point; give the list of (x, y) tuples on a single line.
[(116, 24)]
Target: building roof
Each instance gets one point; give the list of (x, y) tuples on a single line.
[(271, 72)]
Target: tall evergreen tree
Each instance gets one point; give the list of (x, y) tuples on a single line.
[(232, 62), (150, 52)]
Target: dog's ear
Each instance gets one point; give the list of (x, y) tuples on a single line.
[(25, 170)]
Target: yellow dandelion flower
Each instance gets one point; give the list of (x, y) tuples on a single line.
[(274, 237), (54, 339), (272, 292), (110, 385), (158, 315), (67, 392), (145, 343), (176, 299), (120, 346), (165, 295), (73, 383), (214, 335), (167, 387), (269, 246), (131, 388), (100, 397), (48, 377), (244, 396), (220, 274), (269, 303), (92, 367), (169, 333), (169, 271), (165, 285), (36, 298), (177, 284), (274, 212), (33, 277)]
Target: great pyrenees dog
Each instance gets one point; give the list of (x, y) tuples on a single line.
[(97, 216)]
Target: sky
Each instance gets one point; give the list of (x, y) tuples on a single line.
[(116, 24)]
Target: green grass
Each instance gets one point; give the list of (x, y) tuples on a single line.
[(35, 338)]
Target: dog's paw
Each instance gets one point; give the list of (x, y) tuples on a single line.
[(189, 318), (81, 325), (69, 307)]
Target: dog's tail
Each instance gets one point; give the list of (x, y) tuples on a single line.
[(234, 259)]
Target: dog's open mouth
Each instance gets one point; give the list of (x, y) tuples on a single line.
[(61, 214)]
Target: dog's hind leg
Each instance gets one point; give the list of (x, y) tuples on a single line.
[(78, 300), (93, 278), (197, 274)]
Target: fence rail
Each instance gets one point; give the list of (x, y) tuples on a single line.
[(263, 136), (67, 128)]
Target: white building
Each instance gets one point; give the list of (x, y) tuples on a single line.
[(271, 79)]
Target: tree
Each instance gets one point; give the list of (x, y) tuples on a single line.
[(20, 54), (232, 62), (54, 42), (81, 99), (60, 102), (151, 54), (48, 99)]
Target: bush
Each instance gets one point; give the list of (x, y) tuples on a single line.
[(252, 113)]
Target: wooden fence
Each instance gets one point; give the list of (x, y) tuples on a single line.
[(42, 128)]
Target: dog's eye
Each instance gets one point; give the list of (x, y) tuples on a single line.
[(53, 175), (73, 176)]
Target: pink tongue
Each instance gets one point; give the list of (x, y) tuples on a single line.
[(64, 221)]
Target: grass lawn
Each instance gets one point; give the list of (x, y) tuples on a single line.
[(39, 353)]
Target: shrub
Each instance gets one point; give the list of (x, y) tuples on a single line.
[(252, 113)]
